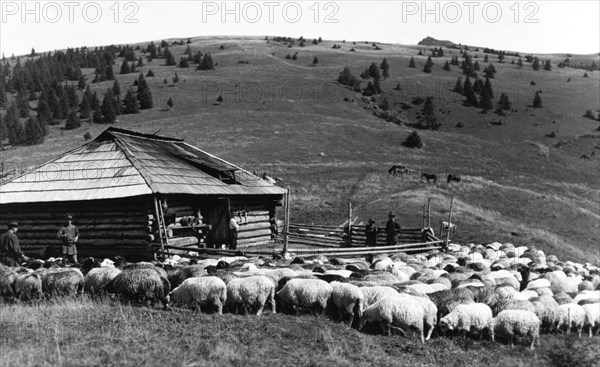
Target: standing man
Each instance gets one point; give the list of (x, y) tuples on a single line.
[(10, 251), (168, 213), (69, 235), (392, 228), (233, 233), (371, 233)]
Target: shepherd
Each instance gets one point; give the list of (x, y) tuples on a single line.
[(69, 235), (371, 233), (392, 228), (10, 251)]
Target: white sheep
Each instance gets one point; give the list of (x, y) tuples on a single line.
[(587, 295), (571, 315), (465, 317), (430, 312), (347, 298), (251, 291), (518, 323), (592, 317), (196, 292), (96, 279), (305, 293), (397, 311), (374, 294)]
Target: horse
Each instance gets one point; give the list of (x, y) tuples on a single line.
[(397, 169), (429, 177), (451, 177)]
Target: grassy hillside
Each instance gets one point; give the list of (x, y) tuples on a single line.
[(279, 114), (92, 333)]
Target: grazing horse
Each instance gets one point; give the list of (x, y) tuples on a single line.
[(429, 177), (451, 177), (398, 169)]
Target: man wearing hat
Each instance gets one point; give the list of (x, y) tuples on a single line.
[(10, 251), (392, 228), (69, 234), (371, 233)]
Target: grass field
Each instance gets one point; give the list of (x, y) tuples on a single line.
[(93, 333), (278, 115)]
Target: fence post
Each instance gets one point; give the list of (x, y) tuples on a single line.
[(449, 221), (286, 218), (429, 213), (349, 238)]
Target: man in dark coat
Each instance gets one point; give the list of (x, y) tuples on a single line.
[(371, 233), (69, 235), (10, 251), (392, 228), (169, 214)]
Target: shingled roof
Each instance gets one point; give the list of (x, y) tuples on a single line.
[(121, 163)]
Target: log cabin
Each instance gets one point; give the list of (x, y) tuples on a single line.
[(114, 187)]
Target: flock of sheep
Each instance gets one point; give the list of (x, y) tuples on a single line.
[(497, 289)]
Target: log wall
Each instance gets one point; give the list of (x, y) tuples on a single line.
[(106, 227)]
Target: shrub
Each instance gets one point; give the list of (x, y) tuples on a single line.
[(87, 136), (413, 141)]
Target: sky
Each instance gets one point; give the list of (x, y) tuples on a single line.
[(523, 26)]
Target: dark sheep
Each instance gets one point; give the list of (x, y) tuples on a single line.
[(178, 275), (62, 284), (140, 285), (7, 283), (331, 278)]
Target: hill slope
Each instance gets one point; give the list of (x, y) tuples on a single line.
[(279, 114)]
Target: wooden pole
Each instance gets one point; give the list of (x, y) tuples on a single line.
[(429, 213), (349, 238), (159, 226), (423, 217), (449, 221), (161, 220), (286, 218)]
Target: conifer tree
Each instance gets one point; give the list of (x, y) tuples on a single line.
[(446, 66), (73, 121), (3, 97), (188, 51), (207, 63), (488, 87), (520, 63), (346, 77), (44, 115), (107, 108), (428, 65), (150, 73), (33, 132), (411, 63), (85, 107), (385, 67), (458, 87), (197, 59), (486, 58), (64, 105), (374, 71), (140, 62), (130, 103), (183, 62), (143, 93), (116, 89), (125, 68), (110, 75), (469, 93), (413, 141), (536, 64), (14, 128), (485, 101), (22, 103), (81, 84), (547, 65), (170, 103), (504, 103), (537, 100), (476, 66), (169, 58), (132, 67)]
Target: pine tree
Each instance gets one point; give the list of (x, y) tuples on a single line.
[(97, 116), (132, 67), (197, 59), (446, 66), (116, 89), (536, 64), (385, 67), (429, 120), (413, 141), (411, 63), (130, 103), (170, 103), (346, 77), (64, 105), (485, 101), (85, 107), (476, 66), (315, 61), (486, 58), (169, 58), (520, 63), (33, 132), (22, 103), (73, 121), (547, 65), (125, 68), (374, 71), (537, 100), (428, 65), (207, 63), (3, 98), (504, 103), (150, 73), (188, 51), (469, 93), (15, 131), (81, 84), (44, 115), (107, 108), (458, 87), (143, 93), (183, 62), (110, 75)]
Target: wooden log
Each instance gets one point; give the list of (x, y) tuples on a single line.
[(253, 226), (262, 239), (90, 242), (182, 241), (24, 228), (331, 228), (256, 233)]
